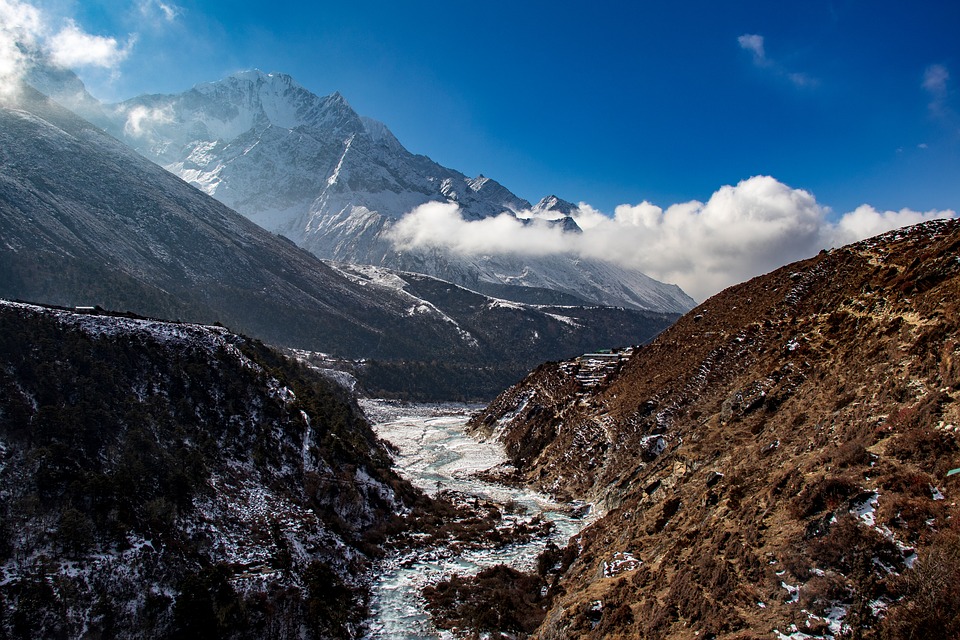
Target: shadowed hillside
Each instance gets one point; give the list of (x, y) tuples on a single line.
[(177, 481)]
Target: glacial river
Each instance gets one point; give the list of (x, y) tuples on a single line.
[(435, 453)]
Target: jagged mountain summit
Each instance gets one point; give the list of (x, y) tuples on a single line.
[(775, 464), (84, 220), (312, 169)]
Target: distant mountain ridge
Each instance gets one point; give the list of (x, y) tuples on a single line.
[(85, 220), (313, 170)]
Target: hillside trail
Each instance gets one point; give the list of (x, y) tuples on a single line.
[(435, 454)]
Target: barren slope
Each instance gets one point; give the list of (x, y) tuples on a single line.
[(776, 458)]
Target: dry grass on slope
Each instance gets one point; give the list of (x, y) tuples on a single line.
[(804, 424)]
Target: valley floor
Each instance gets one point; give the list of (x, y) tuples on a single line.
[(435, 454)]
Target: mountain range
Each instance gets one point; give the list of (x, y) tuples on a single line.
[(84, 220), (313, 170)]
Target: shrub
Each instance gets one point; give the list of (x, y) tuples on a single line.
[(930, 595), (820, 591), (825, 492), (925, 446), (851, 548), (850, 454), (498, 599)]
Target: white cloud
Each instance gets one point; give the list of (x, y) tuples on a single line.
[(167, 11), (27, 34), (802, 80), (20, 27), (441, 225), (73, 47), (865, 222), (754, 43), (935, 80), (140, 115), (740, 232)]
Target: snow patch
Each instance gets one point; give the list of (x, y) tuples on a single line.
[(622, 562), (564, 319), (866, 509), (332, 180)]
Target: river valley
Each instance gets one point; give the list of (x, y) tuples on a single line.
[(435, 454)]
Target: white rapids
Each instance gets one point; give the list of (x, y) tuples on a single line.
[(434, 453)]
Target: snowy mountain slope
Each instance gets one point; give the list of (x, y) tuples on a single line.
[(313, 170), (85, 220), (261, 143)]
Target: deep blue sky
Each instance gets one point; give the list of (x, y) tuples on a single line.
[(603, 102)]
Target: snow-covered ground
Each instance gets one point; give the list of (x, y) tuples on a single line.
[(434, 453)]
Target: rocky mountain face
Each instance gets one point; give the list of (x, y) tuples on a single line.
[(84, 220), (773, 465), (170, 480), (310, 168)]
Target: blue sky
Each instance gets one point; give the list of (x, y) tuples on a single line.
[(607, 102)]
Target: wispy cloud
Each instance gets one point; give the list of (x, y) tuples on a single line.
[(740, 232), (936, 79), (754, 43), (154, 9), (140, 119)]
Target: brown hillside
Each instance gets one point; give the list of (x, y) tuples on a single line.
[(776, 461)]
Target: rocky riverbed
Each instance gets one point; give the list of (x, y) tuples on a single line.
[(435, 454)]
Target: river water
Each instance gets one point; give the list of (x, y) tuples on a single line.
[(435, 453)]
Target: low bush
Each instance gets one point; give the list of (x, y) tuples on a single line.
[(824, 492), (929, 604)]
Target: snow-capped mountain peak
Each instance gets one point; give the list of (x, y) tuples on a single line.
[(553, 204), (249, 99), (379, 132), (312, 169)]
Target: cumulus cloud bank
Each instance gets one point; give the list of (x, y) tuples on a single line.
[(26, 33), (740, 232)]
